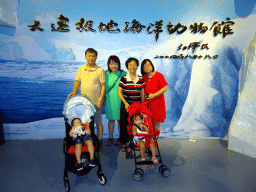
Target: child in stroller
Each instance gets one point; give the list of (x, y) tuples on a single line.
[(140, 116), (79, 110), (81, 136), (139, 127)]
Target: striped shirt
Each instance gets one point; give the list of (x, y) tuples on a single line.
[(131, 91)]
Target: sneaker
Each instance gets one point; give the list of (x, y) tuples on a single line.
[(79, 167), (92, 163)]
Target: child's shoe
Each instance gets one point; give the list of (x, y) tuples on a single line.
[(92, 163), (79, 166)]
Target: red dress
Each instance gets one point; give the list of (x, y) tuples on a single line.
[(156, 105)]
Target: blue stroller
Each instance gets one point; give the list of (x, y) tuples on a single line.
[(79, 106)]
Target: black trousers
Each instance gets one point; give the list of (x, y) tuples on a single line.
[(124, 136)]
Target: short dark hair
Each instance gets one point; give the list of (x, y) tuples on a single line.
[(115, 59), (142, 65), (131, 59), (91, 50), (74, 120)]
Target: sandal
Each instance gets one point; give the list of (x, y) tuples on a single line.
[(109, 143), (117, 142), (123, 148), (155, 161)]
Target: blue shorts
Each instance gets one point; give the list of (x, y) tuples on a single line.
[(82, 139)]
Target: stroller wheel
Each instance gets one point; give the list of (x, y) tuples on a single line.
[(102, 179), (161, 168), (67, 185), (140, 171), (166, 172), (137, 176)]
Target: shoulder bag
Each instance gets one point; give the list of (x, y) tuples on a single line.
[(104, 101)]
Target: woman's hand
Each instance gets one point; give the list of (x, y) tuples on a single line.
[(126, 106), (151, 96)]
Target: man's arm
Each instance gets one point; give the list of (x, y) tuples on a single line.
[(102, 95), (75, 88)]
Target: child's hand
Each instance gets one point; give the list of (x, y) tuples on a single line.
[(71, 133), (146, 128), (88, 131)]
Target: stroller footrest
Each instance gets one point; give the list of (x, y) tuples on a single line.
[(144, 162)]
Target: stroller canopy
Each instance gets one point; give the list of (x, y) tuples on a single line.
[(138, 108), (79, 106)]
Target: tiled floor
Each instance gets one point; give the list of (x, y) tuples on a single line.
[(196, 165)]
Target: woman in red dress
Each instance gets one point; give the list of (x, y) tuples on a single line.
[(155, 86)]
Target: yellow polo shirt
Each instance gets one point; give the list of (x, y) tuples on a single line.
[(91, 80)]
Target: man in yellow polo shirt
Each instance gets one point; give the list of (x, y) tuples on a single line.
[(92, 79)]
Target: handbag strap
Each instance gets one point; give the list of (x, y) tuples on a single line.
[(115, 82)]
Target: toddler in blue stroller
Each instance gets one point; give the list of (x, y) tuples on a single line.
[(81, 136)]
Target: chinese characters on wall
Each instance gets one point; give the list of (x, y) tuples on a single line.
[(193, 46), (223, 28)]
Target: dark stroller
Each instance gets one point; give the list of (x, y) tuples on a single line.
[(132, 151), (80, 107)]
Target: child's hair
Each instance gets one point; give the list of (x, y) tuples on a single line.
[(74, 120), (136, 115)]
